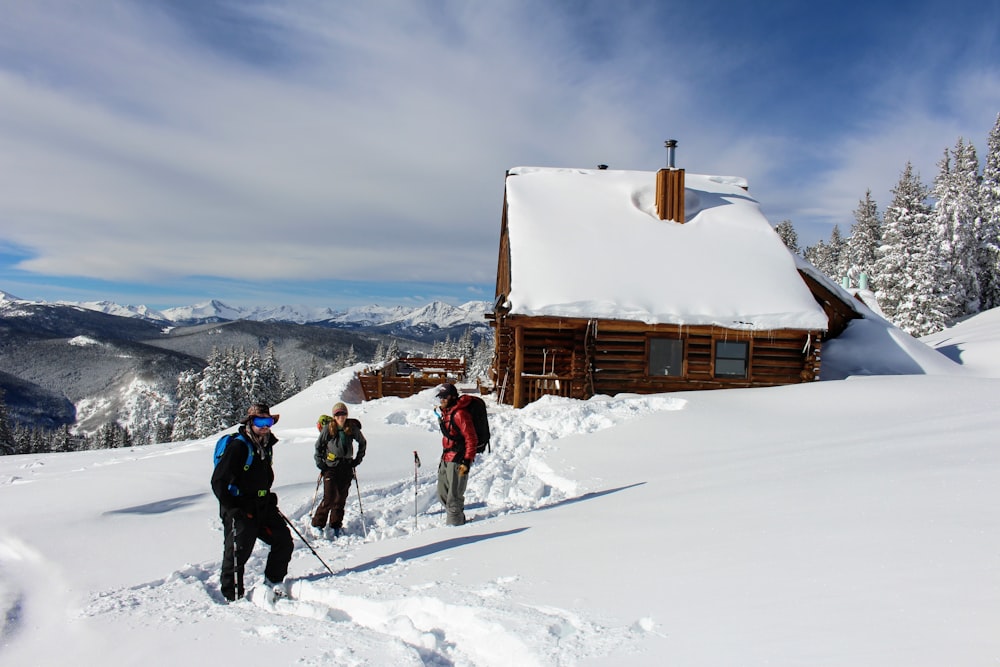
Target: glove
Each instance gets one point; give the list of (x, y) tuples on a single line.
[(463, 469), (271, 500), (357, 461)]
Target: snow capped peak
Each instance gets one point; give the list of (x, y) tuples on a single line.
[(205, 310), (435, 313), (111, 308)]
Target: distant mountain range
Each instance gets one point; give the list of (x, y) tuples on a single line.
[(435, 314), (87, 363)]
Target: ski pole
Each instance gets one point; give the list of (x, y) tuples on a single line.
[(416, 464), (319, 480), (362, 509), (304, 540)]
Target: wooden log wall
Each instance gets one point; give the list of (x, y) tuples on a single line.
[(610, 357), (776, 358)]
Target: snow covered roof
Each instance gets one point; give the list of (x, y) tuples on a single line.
[(588, 243)]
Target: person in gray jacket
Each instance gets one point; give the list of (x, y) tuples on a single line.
[(336, 459)]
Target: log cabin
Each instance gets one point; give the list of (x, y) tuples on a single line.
[(615, 281)]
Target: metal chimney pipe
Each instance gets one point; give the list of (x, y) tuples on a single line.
[(671, 145)]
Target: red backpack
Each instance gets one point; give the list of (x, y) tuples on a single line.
[(476, 407)]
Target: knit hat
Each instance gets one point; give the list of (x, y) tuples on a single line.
[(259, 410), (338, 407)]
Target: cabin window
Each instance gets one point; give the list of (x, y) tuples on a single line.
[(666, 357), (731, 358)]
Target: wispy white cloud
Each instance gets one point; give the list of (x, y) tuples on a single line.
[(368, 141)]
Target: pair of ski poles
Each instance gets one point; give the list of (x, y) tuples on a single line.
[(315, 496), (354, 473), (416, 465), (319, 480)]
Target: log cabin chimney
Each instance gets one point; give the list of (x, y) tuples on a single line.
[(670, 188), (671, 145)]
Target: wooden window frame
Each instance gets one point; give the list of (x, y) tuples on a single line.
[(649, 356), (746, 366)]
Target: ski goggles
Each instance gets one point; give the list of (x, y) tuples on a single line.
[(263, 422), (340, 413)]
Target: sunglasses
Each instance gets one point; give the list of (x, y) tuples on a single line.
[(263, 422), (339, 413)]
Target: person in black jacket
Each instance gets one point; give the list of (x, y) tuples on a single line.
[(248, 507), (336, 459)]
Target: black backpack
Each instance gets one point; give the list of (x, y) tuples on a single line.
[(480, 420)]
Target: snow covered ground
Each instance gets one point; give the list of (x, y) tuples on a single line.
[(845, 522)]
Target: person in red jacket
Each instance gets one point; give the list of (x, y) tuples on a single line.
[(459, 441)]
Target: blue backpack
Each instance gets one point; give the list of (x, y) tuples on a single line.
[(220, 447)]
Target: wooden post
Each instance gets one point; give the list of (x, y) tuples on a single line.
[(519, 401)]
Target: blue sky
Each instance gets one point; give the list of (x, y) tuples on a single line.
[(347, 153)]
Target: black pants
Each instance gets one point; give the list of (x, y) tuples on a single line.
[(241, 530), (336, 489)]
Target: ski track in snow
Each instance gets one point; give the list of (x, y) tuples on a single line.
[(438, 623)]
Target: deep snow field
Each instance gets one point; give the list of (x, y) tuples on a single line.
[(845, 522)]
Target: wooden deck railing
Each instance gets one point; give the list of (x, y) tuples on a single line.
[(536, 386), (409, 375)]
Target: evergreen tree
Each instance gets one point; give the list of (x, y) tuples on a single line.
[(988, 256), (289, 386), (379, 356), (236, 383), (837, 255), (820, 257), (437, 349), (215, 397), (313, 373), (866, 237), (482, 359), (788, 236), (907, 259), (164, 429), (345, 358), (392, 351), (185, 418), (113, 436), (7, 443), (106, 437), (143, 420), (64, 441), (148, 411), (22, 442), (271, 380), (956, 223), (466, 346), (250, 384)]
